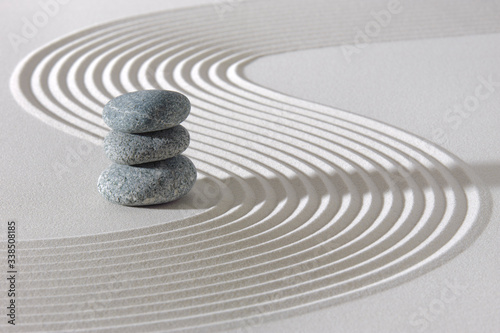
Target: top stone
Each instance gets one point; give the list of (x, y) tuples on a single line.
[(146, 111)]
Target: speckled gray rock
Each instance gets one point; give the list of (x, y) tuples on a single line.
[(148, 184), (126, 148), (146, 111)]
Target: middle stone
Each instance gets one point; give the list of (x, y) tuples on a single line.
[(131, 149)]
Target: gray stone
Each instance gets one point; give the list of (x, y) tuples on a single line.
[(148, 184), (146, 111), (126, 148)]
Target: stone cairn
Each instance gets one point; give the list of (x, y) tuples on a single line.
[(145, 145)]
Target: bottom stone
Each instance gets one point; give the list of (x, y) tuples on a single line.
[(149, 183)]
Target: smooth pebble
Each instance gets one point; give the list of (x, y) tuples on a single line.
[(146, 111), (148, 184), (131, 149)]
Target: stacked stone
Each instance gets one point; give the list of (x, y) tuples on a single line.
[(145, 145)]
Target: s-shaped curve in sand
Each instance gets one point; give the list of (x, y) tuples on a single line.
[(318, 206)]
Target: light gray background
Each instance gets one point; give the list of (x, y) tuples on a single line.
[(409, 84)]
